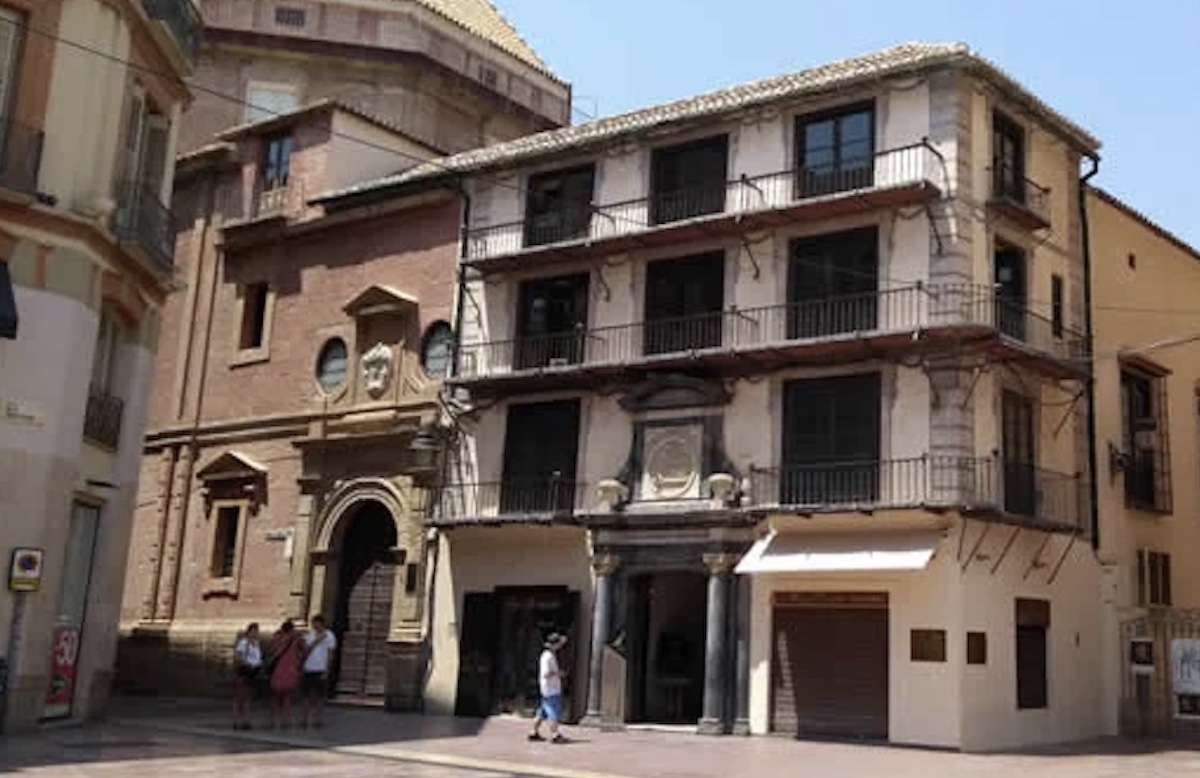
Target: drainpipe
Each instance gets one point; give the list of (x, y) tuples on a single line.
[(1093, 487), (462, 273)]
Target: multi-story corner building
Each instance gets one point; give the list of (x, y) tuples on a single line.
[(772, 399), (452, 74), (292, 436), (1147, 345), (90, 97)]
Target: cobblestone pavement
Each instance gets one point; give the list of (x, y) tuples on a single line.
[(192, 738)]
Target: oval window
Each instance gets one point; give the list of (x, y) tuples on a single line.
[(438, 350), (331, 365)]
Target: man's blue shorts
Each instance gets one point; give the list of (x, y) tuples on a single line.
[(551, 708)]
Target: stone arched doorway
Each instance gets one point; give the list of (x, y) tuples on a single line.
[(359, 573)]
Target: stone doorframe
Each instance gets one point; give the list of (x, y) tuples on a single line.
[(340, 506)]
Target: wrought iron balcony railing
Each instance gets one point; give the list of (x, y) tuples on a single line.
[(891, 169), (143, 221), (102, 419), (1018, 491), (1023, 199), (20, 156), (525, 498), (183, 19), (888, 311)]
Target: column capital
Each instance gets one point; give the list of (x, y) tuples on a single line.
[(605, 564), (719, 564)]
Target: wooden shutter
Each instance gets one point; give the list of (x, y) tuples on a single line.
[(129, 154), (476, 654), (153, 163), (10, 47)]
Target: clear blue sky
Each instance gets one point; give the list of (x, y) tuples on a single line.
[(1127, 71)]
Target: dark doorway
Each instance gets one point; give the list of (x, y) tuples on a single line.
[(833, 284), (552, 321), (831, 440), (689, 180), (363, 617), (540, 447), (667, 623), (1010, 291), (1018, 443), (502, 636), (684, 298)]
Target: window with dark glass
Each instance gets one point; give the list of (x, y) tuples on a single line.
[(1010, 290), (277, 162), (1147, 456), (689, 180), (331, 365), (1019, 454), (831, 429), (1032, 654), (833, 284), (927, 645), (1008, 160), (977, 648), (551, 321), (835, 151), (1056, 305), (1153, 577), (541, 443), (558, 205), (254, 316), (225, 541), (684, 298)]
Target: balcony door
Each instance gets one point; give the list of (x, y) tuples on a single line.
[(1008, 160), (552, 322), (835, 152), (683, 304), (833, 284), (689, 180), (1010, 291), (1019, 450), (541, 443), (559, 205), (831, 430)]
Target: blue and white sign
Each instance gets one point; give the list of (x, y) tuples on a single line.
[(1185, 677)]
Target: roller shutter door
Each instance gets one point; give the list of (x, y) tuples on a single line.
[(829, 670)]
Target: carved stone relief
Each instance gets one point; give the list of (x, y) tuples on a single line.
[(377, 369)]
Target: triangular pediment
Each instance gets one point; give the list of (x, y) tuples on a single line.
[(377, 299), (232, 465)]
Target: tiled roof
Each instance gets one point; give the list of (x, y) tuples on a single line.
[(909, 58), (482, 18)]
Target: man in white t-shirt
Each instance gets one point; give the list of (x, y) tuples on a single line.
[(319, 647), (550, 689)]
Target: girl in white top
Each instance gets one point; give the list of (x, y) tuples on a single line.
[(247, 662)]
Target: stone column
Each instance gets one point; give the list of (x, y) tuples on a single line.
[(604, 565), (741, 718), (715, 649)]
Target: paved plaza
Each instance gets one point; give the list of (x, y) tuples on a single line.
[(191, 738)]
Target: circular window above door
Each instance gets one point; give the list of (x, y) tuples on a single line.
[(332, 365), (437, 350)]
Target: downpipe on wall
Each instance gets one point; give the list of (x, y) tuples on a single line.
[(1093, 485)]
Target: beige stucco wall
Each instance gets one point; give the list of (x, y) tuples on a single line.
[(479, 559), (954, 704)]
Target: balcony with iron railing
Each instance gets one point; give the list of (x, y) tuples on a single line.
[(144, 223), (827, 330), (102, 419), (1022, 201), (982, 487), (182, 19), (891, 178), (20, 157)]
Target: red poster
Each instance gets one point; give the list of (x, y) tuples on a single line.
[(62, 672)]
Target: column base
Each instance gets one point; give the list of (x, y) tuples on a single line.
[(592, 721), (741, 727), (710, 727)]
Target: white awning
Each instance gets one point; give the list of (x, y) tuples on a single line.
[(794, 552)]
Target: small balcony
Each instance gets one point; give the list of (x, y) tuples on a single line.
[(144, 223), (20, 157), (549, 499), (830, 330), (892, 178), (1021, 201), (983, 487), (279, 202), (102, 420), (183, 20)]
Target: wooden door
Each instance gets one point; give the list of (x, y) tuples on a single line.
[(476, 655), (1020, 455), (364, 644)]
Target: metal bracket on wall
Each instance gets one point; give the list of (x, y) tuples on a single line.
[(1061, 560), (1007, 547), (1036, 561), (976, 374), (1071, 406), (604, 284), (933, 228), (987, 528), (749, 245)]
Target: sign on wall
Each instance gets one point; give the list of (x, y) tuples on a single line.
[(25, 572), (1141, 656), (1185, 677)]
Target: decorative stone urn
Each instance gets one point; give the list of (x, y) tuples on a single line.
[(721, 486), (612, 493)]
